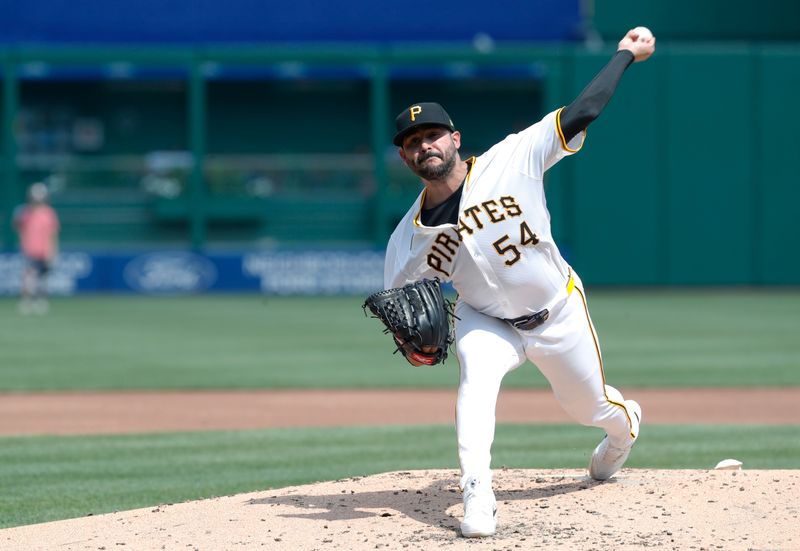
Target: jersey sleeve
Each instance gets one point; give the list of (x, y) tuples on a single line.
[(401, 264), (540, 146), (393, 276), (408, 254)]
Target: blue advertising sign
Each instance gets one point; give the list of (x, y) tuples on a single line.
[(326, 273), (182, 272), (170, 273), (64, 278)]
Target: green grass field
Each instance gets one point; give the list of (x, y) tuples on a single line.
[(649, 338)]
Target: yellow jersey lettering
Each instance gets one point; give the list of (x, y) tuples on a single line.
[(510, 205), (490, 208), (473, 211), (439, 251), (526, 235), (502, 248), (447, 242), (463, 227), (435, 262)]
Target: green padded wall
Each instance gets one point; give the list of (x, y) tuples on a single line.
[(616, 201), (710, 144), (689, 176), (779, 176), (700, 19)]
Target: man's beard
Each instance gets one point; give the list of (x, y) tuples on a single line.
[(438, 171)]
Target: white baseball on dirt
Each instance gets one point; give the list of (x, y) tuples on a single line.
[(643, 32), (729, 465)]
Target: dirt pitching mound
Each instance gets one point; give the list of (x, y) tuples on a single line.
[(538, 509)]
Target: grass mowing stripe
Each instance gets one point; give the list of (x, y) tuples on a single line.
[(46, 478), (649, 338)]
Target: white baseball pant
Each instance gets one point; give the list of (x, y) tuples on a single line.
[(566, 351)]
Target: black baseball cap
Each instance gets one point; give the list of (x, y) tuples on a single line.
[(420, 114)]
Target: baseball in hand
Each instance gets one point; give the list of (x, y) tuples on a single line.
[(643, 33)]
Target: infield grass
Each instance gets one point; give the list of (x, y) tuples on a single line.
[(649, 339), (50, 478)]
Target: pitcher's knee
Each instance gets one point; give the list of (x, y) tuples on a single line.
[(598, 413)]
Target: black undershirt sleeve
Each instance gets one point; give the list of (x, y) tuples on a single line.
[(590, 103)]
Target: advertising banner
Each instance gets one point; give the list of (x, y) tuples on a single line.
[(305, 272)]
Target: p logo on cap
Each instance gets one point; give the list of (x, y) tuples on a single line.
[(420, 114)]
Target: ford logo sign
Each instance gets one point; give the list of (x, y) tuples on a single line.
[(170, 273)]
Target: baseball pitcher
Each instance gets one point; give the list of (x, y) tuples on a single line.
[(482, 224)]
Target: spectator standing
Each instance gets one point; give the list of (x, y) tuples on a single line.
[(38, 227)]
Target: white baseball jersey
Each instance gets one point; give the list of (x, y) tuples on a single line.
[(500, 257)]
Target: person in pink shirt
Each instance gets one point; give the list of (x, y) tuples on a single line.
[(38, 226)]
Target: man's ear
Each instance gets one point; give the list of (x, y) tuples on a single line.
[(456, 136), (402, 153)]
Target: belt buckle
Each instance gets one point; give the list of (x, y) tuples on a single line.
[(533, 321)]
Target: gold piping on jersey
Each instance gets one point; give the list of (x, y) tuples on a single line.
[(570, 284), (470, 164), (600, 359), (564, 144), (419, 212)]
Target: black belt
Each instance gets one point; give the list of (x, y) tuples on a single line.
[(526, 323)]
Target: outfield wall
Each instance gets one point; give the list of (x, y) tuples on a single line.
[(688, 178)]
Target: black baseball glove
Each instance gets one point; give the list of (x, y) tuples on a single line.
[(418, 317)]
